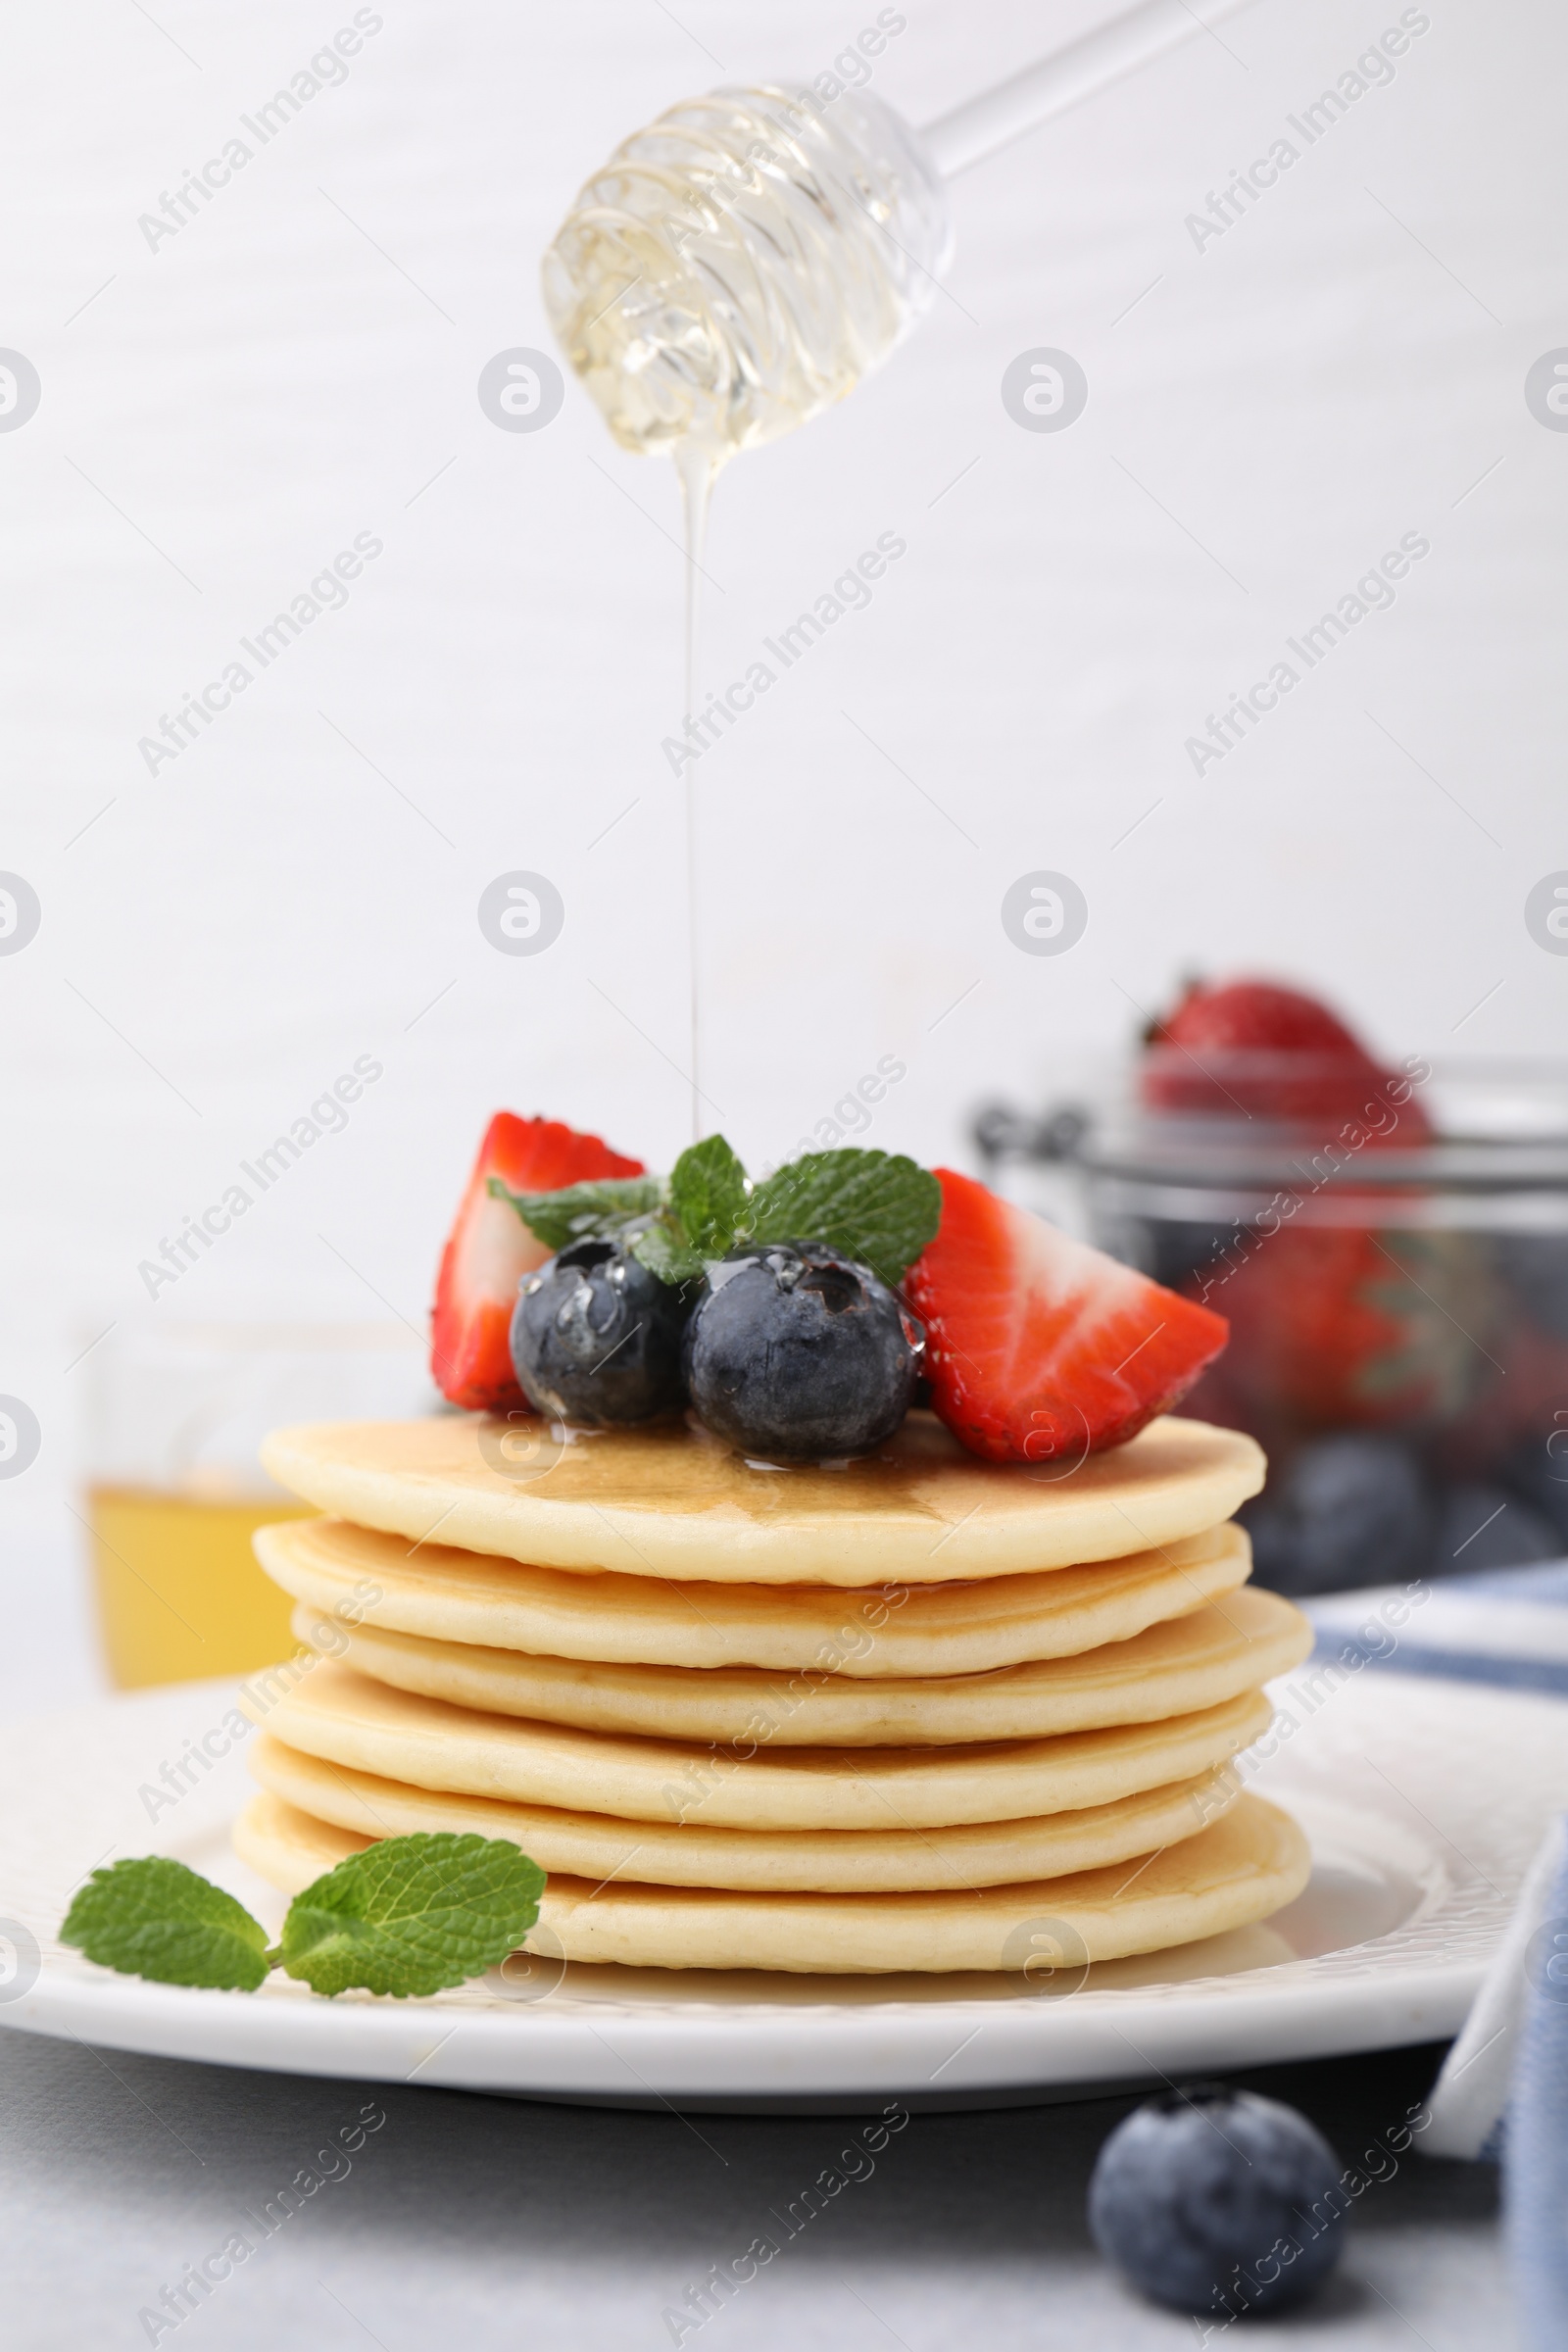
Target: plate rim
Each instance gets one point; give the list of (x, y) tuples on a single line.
[(834, 2054)]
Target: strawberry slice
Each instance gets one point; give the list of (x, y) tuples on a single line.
[(490, 1249), (1038, 1346)]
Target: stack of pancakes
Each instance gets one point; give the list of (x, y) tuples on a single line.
[(915, 1711)]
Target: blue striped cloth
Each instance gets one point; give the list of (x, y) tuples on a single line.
[(1506, 1626), (1504, 2088), (1535, 2145)]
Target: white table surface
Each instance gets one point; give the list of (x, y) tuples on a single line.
[(491, 2222)]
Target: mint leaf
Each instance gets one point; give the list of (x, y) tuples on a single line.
[(709, 1195), (155, 1918), (412, 1915), (663, 1255), (875, 1206), (872, 1205), (578, 1210), (704, 1203)]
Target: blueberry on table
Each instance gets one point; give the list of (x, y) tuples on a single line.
[(596, 1338), (1216, 2200), (795, 1353)]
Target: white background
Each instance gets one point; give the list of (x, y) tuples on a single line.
[(299, 364)]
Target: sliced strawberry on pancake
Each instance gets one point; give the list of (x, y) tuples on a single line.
[(1038, 1346), (490, 1249)]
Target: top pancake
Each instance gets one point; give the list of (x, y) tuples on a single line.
[(665, 1501)]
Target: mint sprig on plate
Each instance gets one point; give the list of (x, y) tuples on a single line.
[(155, 1918), (412, 1915), (874, 1207), (409, 1916)]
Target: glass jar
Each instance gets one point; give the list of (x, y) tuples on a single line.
[(1398, 1298), (175, 1489)]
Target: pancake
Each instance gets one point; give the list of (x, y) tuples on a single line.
[(341, 1717), (894, 1631), (1240, 1869), (594, 1847), (1177, 1668), (665, 1501)]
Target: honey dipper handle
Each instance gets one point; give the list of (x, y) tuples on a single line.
[(982, 126)]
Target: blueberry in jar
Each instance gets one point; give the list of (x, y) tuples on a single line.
[(1348, 1510), (1485, 1526), (796, 1353), (596, 1338)]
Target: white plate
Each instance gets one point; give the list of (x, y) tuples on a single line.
[(1423, 1802)]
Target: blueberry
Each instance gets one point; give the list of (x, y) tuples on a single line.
[(793, 1352), (1349, 1510), (596, 1338), (1538, 1473), (1536, 1265), (1218, 2200), (1486, 1527)]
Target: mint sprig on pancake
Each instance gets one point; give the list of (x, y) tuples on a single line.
[(409, 1916), (578, 1212), (876, 1207)]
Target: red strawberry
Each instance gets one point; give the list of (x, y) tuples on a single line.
[(1252, 1049), (1038, 1346), (1341, 1326), (490, 1249), (1259, 1013), (1314, 1340)]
